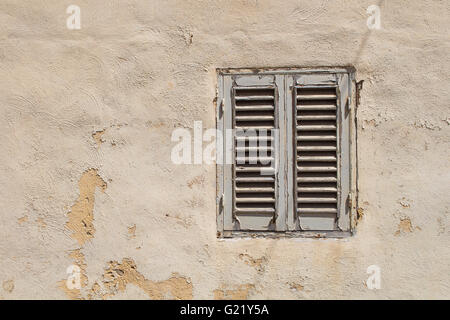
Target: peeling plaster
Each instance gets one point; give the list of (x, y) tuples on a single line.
[(78, 259), (97, 135), (240, 292), (118, 275), (405, 226), (8, 285), (81, 215), (258, 263)]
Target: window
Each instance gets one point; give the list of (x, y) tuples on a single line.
[(285, 152)]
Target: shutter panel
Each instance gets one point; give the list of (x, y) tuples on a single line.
[(254, 190), (316, 153), (255, 107)]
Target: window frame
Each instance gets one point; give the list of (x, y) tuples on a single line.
[(285, 170)]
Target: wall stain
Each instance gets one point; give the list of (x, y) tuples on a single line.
[(198, 180), (296, 286), (132, 232), (155, 124), (195, 202), (426, 124), (241, 292), (258, 264), (359, 214), (41, 222), (372, 123), (97, 135), (8, 285), (81, 214), (405, 226), (181, 219), (22, 219), (405, 203)]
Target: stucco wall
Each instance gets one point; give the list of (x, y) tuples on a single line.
[(87, 116)]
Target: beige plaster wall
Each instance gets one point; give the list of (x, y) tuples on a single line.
[(86, 118)]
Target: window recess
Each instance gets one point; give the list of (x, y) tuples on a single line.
[(286, 152)]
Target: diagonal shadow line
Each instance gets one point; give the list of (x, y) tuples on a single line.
[(365, 39)]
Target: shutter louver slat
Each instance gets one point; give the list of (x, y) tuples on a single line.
[(316, 117), (317, 138), (254, 108), (254, 176), (317, 96), (316, 157), (254, 118), (316, 107), (253, 98), (317, 179), (316, 127), (316, 148), (255, 179)]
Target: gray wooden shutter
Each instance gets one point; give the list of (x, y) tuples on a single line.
[(253, 105), (321, 182)]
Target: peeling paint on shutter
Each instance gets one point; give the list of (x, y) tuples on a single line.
[(344, 92)]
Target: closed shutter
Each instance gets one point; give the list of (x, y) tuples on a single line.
[(320, 141), (254, 175), (286, 149), (255, 119), (316, 158)]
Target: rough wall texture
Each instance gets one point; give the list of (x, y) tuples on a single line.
[(85, 172)]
